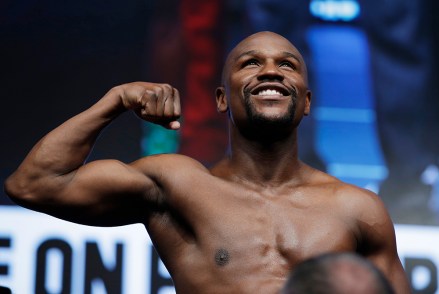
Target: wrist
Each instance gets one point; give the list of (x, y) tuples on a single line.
[(112, 103)]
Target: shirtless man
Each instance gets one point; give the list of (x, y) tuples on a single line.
[(239, 227)]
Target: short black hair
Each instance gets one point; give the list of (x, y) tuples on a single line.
[(318, 275)]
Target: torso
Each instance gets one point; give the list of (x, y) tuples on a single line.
[(230, 237)]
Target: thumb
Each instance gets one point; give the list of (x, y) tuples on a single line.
[(174, 125)]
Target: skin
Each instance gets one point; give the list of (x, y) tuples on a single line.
[(239, 227)]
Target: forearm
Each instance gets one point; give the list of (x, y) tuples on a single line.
[(54, 176), (64, 149)]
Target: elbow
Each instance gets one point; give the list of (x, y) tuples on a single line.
[(18, 191), (11, 188)]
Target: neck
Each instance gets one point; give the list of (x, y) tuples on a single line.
[(264, 159)]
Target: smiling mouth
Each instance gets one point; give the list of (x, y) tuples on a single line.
[(269, 93)]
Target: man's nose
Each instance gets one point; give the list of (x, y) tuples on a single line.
[(270, 71)]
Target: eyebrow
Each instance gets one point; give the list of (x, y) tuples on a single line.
[(255, 52)]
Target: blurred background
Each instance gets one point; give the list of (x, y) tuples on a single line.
[(373, 69)]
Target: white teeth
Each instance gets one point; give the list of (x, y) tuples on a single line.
[(269, 92)]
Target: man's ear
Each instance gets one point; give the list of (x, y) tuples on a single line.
[(221, 100), (307, 109)]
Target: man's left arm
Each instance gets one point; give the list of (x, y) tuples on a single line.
[(378, 241)]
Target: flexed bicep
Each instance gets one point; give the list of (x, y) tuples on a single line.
[(104, 193), (54, 179)]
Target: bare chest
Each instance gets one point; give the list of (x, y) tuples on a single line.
[(268, 229), (244, 237)]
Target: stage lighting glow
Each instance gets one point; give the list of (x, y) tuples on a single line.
[(335, 10)]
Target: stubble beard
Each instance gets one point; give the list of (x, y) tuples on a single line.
[(262, 121)]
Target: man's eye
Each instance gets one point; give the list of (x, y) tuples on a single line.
[(288, 64), (251, 62)]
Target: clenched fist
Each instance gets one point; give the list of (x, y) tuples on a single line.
[(156, 103)]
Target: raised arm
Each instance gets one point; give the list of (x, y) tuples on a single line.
[(378, 241), (55, 179)]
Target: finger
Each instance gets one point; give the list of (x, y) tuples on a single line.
[(149, 103), (174, 125), (168, 109), (161, 101), (177, 107), (171, 113)]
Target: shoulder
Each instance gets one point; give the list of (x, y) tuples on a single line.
[(168, 162), (367, 214), (365, 205), (359, 201), (358, 205), (170, 169)]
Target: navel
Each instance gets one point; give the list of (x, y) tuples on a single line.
[(222, 257)]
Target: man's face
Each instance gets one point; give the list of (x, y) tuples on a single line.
[(265, 82)]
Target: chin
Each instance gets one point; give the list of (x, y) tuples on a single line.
[(264, 120), (275, 116), (265, 128), (272, 116)]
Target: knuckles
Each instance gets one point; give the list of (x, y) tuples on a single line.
[(156, 103)]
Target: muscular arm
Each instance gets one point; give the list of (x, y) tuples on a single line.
[(378, 241), (54, 178)]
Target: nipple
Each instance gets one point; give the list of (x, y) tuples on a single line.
[(222, 257)]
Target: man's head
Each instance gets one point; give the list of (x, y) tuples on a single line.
[(337, 273), (264, 82)]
